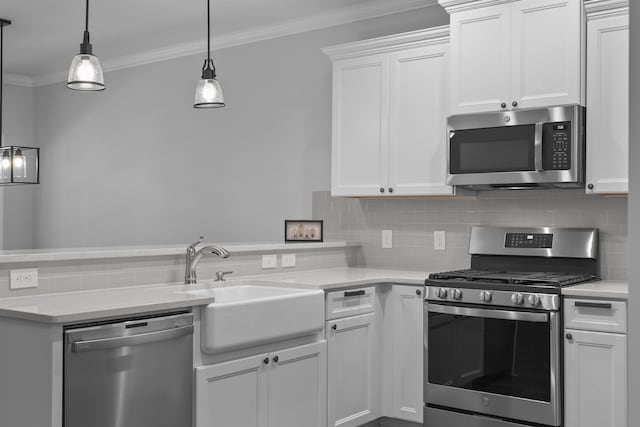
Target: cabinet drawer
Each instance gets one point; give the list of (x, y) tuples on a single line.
[(595, 315), (350, 302)]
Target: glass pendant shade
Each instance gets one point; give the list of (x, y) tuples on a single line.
[(209, 94), (85, 73), (19, 165)]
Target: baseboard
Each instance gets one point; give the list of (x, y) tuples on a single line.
[(390, 422)]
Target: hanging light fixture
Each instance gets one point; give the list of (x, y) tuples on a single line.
[(85, 73), (208, 92), (18, 165)]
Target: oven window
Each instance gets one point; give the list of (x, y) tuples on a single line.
[(506, 357), (502, 149)]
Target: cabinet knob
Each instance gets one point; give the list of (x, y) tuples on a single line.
[(590, 186), (266, 361), (503, 105), (334, 327), (569, 337), (418, 292), (275, 359), (390, 190), (514, 103), (382, 190)]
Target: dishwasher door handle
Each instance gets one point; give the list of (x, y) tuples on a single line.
[(107, 343)]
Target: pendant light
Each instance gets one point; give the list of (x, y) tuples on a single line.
[(85, 73), (208, 92), (18, 165)]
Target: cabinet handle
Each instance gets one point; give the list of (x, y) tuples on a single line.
[(418, 292), (354, 293), (590, 186), (514, 103), (503, 105), (605, 305), (266, 361), (275, 359), (390, 190), (382, 190), (569, 337), (334, 327)]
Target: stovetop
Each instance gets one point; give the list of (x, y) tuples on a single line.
[(534, 278)]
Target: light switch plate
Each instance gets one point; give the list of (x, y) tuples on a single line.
[(269, 261), (24, 278), (439, 241), (288, 260), (387, 239)]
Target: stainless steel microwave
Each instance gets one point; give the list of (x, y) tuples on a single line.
[(519, 149)]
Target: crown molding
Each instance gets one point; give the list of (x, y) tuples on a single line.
[(18, 80), (370, 10), (452, 6), (391, 43)]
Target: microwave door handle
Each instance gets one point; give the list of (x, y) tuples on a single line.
[(537, 142)]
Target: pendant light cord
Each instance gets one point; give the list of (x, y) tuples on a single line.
[(208, 30), (1, 78)]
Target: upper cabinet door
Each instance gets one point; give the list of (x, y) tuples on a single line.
[(546, 60), (417, 144), (360, 120), (608, 105), (480, 47)]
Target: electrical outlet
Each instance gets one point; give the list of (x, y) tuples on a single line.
[(288, 260), (439, 241), (387, 239), (269, 261), (25, 278)]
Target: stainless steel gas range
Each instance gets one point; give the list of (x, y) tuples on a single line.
[(492, 351)]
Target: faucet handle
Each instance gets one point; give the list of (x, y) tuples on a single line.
[(220, 275), (194, 244)]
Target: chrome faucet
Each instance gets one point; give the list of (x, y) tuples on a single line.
[(194, 256)]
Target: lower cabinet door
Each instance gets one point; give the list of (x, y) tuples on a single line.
[(407, 350), (232, 394), (352, 370), (297, 385), (595, 379)]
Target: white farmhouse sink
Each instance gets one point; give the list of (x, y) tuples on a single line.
[(247, 315)]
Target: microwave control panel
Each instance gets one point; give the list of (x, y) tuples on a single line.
[(556, 146)]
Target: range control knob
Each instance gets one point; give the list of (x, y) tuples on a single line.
[(456, 294), (442, 293), (485, 296), (517, 298), (534, 300)]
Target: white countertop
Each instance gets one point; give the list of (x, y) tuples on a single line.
[(88, 305), (600, 289), (71, 254)]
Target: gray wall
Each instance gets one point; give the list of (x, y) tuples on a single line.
[(634, 225), (413, 222), (17, 201), (137, 165)]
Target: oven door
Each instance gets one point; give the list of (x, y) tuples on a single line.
[(493, 361)]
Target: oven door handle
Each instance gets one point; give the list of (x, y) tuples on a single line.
[(537, 154), (524, 316)]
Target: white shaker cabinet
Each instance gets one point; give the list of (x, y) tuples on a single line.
[(280, 389), (406, 342), (607, 96), (518, 54), (595, 363), (389, 116), (352, 366), (595, 379)]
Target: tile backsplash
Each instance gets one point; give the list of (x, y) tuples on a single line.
[(413, 221)]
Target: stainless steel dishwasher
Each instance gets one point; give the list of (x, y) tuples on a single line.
[(135, 372)]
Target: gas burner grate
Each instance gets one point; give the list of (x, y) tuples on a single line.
[(512, 278)]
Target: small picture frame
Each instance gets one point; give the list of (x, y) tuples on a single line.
[(300, 231)]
